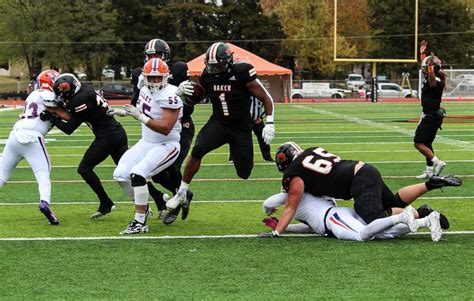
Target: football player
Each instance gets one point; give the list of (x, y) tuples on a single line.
[(82, 104), (229, 87), (432, 113), (319, 172), (171, 177), (26, 141), (320, 215), (158, 109)]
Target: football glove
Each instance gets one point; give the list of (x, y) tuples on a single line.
[(268, 133), (46, 115), (273, 234), (271, 222), (185, 89), (116, 112), (135, 113)]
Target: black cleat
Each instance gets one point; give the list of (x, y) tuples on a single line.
[(440, 182), (426, 210), (102, 211), (187, 204), (171, 215)]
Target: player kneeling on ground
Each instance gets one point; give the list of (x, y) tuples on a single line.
[(158, 109)]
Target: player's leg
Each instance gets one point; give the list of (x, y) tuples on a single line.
[(10, 158), (424, 136), (38, 158), (241, 147), (343, 224), (212, 136)]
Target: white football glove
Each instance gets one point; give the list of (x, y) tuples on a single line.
[(116, 112), (268, 133), (135, 113), (185, 89)]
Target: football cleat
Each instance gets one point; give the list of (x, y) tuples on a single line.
[(438, 167), (408, 218), (171, 215), (46, 210), (135, 227), (434, 226), (161, 214), (102, 212), (185, 212), (425, 210), (440, 182), (177, 200), (149, 213), (425, 175)]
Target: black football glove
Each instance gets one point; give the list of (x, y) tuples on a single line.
[(46, 115)]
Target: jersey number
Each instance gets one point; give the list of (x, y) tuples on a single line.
[(225, 109), (322, 166), (30, 111)]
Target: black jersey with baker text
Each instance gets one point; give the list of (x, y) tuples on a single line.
[(229, 94), (323, 173)]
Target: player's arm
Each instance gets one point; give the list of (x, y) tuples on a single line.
[(69, 126), (295, 194), (431, 73), (166, 123), (423, 47)]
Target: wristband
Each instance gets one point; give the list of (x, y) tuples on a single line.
[(431, 69), (269, 119)]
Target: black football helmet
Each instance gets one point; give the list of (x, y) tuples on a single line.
[(219, 59), (157, 46), (66, 86), (285, 154)]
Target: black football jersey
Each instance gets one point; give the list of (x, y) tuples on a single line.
[(323, 173), (88, 106), (229, 94), (431, 96)]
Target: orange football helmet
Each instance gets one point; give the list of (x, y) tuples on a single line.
[(156, 74), (45, 79)]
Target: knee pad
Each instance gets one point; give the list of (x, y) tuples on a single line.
[(398, 202), (137, 180)]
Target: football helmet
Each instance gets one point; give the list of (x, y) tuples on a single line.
[(436, 64), (66, 86), (285, 154), (157, 46), (46, 79), (156, 74), (219, 59)]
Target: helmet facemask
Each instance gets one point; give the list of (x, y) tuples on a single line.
[(156, 82)]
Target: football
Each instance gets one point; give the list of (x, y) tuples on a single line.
[(198, 95)]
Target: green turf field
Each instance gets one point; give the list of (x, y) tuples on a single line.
[(215, 254)]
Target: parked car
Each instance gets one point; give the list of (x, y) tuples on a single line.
[(355, 81), (317, 90), (116, 91), (463, 89), (108, 73), (392, 90), (81, 75)]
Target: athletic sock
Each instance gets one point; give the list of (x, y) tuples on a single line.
[(140, 217)]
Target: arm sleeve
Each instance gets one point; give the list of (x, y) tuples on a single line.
[(67, 127)]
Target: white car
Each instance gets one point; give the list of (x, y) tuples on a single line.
[(391, 90), (108, 73), (355, 81), (317, 90)]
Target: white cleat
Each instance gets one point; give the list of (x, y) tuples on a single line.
[(425, 175), (176, 200), (135, 228), (408, 218), (434, 226), (438, 167)]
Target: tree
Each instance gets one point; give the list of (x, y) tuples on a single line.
[(309, 26)]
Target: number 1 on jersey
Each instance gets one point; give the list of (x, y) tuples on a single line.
[(225, 110)]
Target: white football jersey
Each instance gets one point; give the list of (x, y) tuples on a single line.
[(152, 105), (29, 119)]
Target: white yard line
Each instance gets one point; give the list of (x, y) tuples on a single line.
[(467, 232)]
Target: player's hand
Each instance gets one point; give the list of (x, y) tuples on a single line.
[(116, 112), (185, 88), (135, 113), (423, 46), (273, 234), (271, 222), (269, 210), (46, 115), (268, 133)]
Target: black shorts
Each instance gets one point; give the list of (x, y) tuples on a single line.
[(216, 133), (427, 129), (371, 195)]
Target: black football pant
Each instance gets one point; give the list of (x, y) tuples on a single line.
[(426, 132), (264, 148), (115, 146)]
